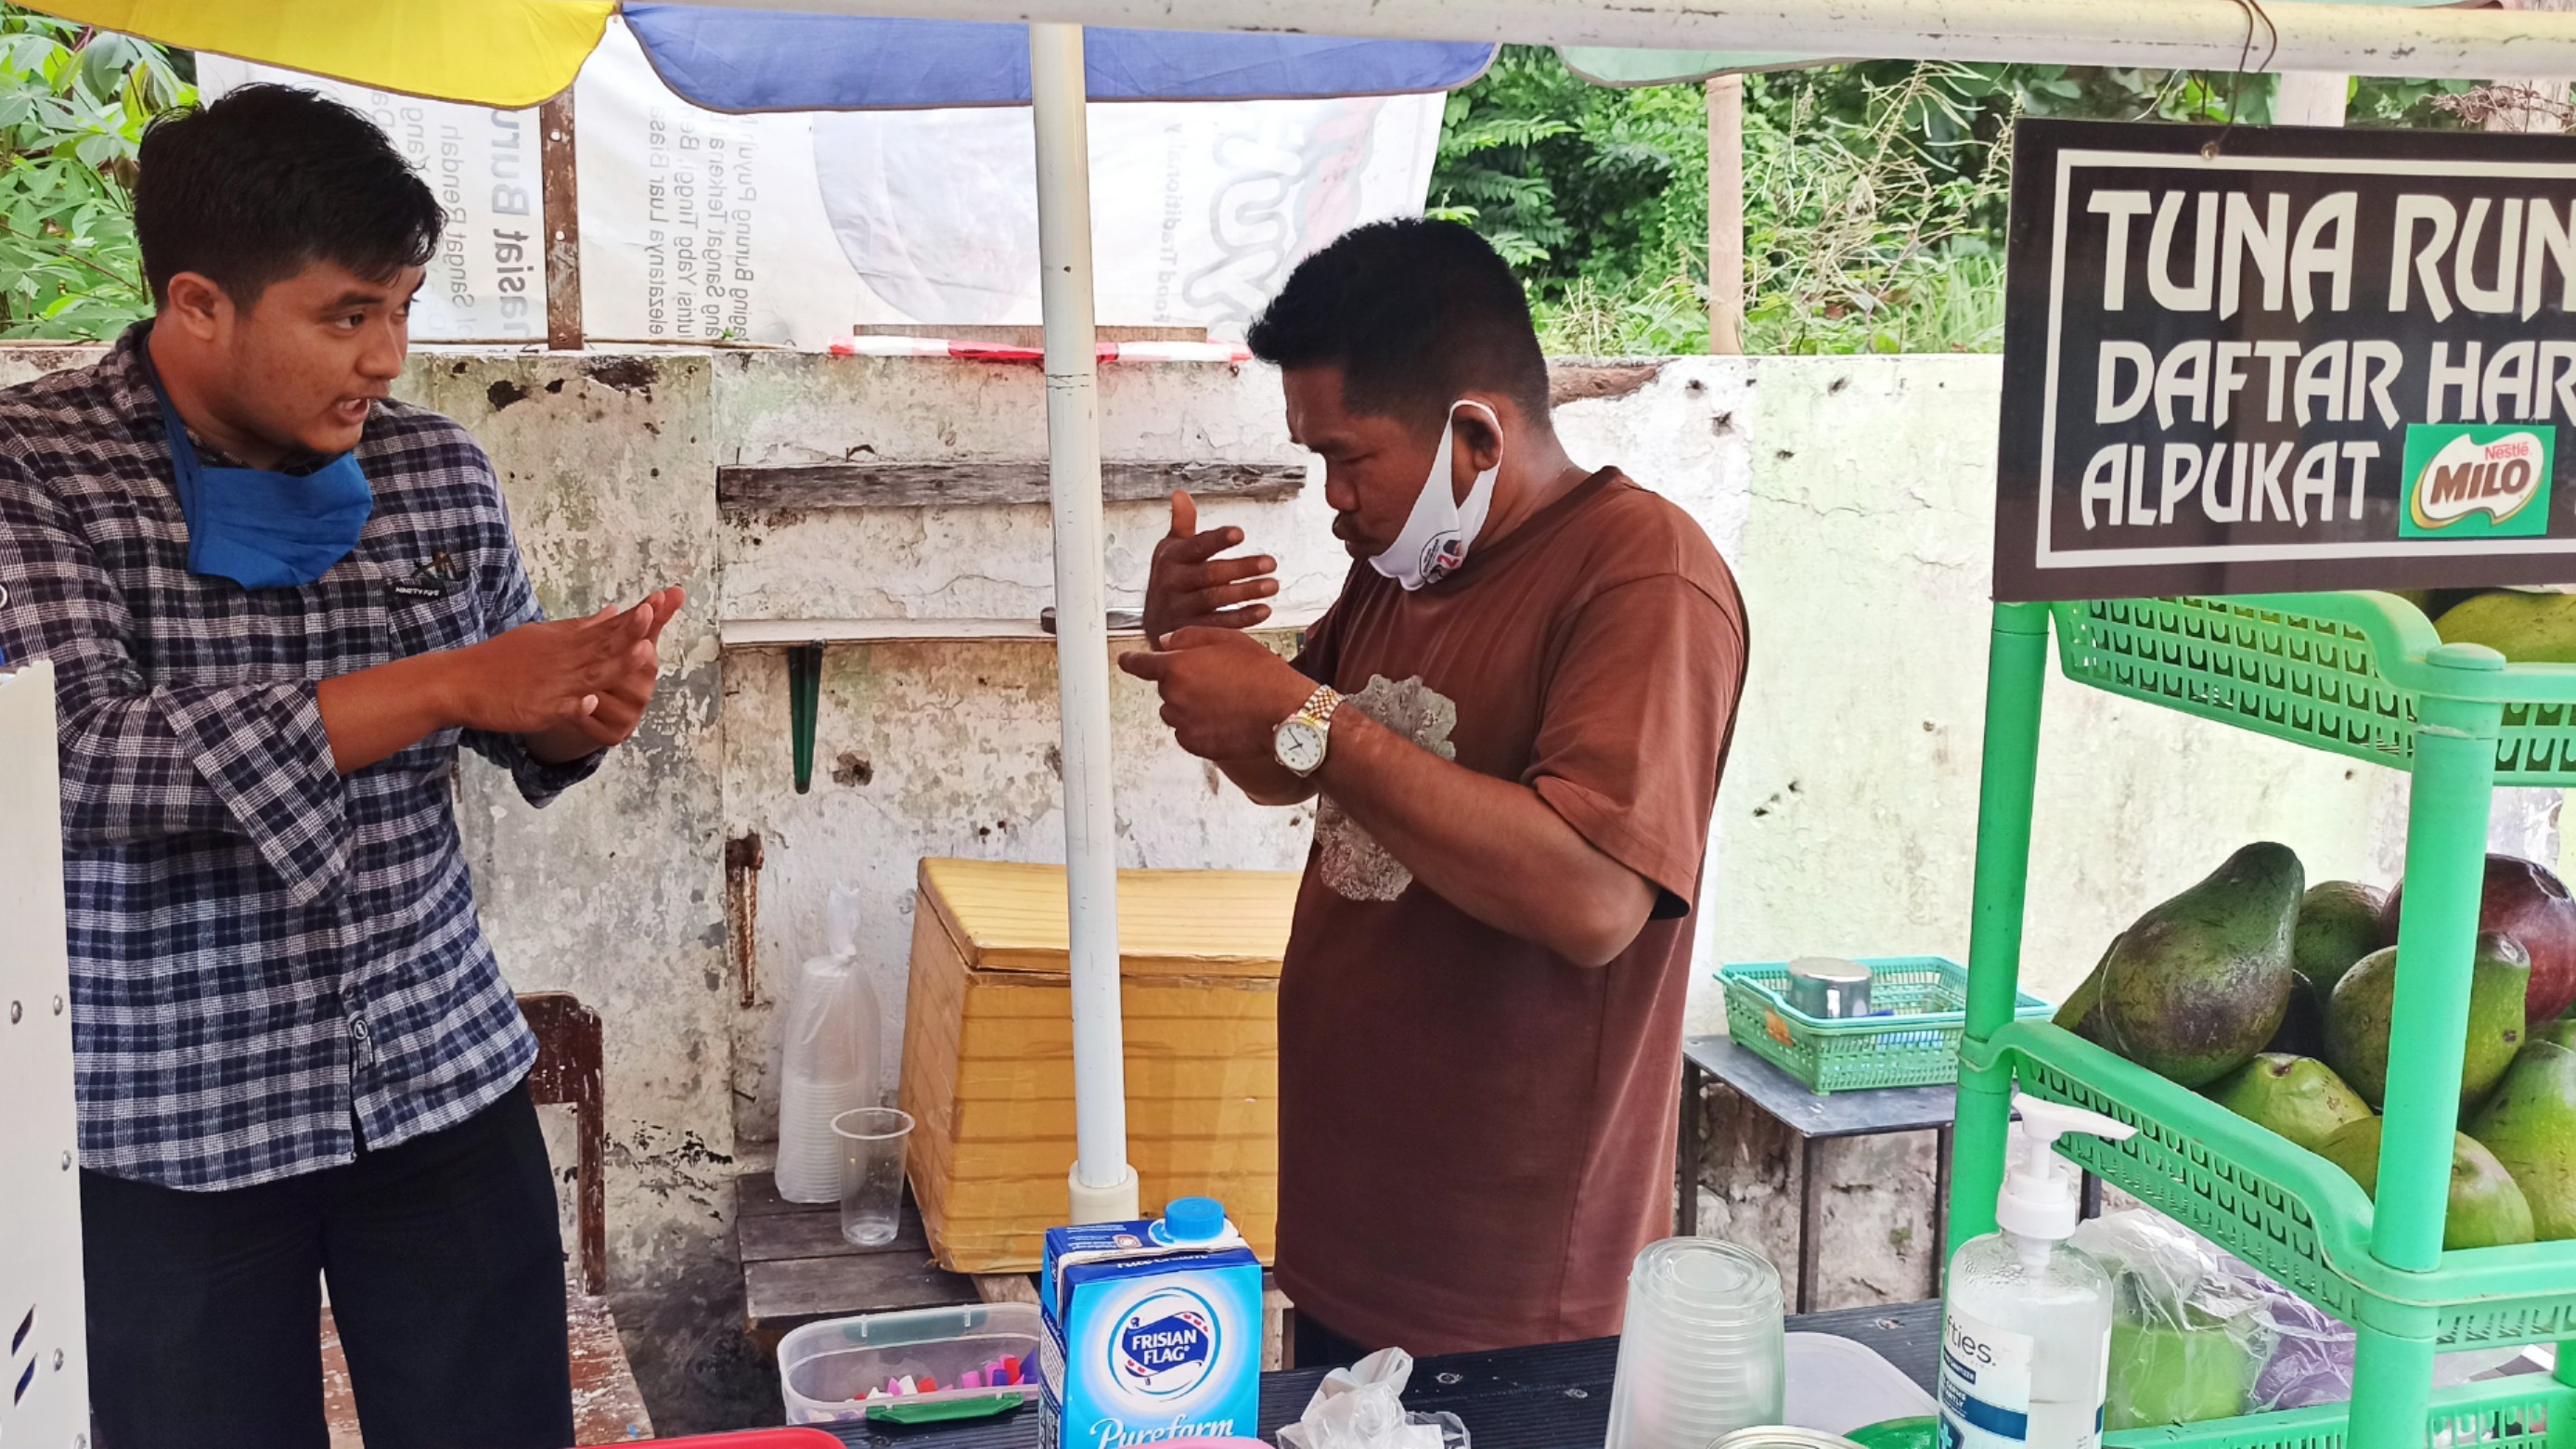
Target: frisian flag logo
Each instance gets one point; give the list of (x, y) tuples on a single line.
[(1166, 1345)]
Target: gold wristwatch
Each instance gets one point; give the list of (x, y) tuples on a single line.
[(1302, 738)]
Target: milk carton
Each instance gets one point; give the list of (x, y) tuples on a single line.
[(1153, 1331)]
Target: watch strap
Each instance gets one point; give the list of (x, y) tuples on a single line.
[(1320, 705)]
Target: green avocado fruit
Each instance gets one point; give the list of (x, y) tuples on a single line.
[(2163, 1374), (2298, 1097), (2487, 1207), (2525, 628), (2339, 923), (2081, 1013), (2198, 985), (2358, 1013), (2530, 1126)]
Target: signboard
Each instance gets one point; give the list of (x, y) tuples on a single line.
[(791, 228), (2275, 360)]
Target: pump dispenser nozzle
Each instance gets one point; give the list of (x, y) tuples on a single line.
[(2038, 1200)]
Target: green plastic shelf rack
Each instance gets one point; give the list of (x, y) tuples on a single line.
[(2364, 676), (2525, 1412), (2281, 1207), (2339, 672), (1915, 1045)]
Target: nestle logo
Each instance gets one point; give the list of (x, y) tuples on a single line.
[(1167, 1344)]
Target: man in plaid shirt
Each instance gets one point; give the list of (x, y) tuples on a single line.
[(272, 626)]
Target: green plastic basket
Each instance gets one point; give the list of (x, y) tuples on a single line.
[(1916, 1046), (2281, 1207), (2339, 672), (2527, 1411)]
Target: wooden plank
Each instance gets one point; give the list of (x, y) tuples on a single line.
[(778, 1296), (607, 1405), (788, 633), (562, 223), (1005, 335), (929, 485), (815, 1232), (756, 1194)]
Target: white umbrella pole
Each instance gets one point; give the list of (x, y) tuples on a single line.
[(1103, 1185)]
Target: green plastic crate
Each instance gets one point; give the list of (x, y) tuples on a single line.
[(2281, 1207), (2528, 1411), (1917, 1046), (2338, 672)]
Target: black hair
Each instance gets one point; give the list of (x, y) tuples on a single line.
[(267, 181), (1415, 313)]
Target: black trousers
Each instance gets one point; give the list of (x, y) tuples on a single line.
[(447, 1283), (1319, 1346)]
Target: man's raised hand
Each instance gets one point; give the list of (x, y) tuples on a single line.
[(594, 675), (1190, 587)]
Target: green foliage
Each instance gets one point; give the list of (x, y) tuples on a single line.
[(1874, 193), (73, 105)]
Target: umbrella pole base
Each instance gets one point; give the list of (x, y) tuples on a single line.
[(1115, 1203)]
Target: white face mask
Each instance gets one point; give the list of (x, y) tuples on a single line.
[(1438, 534)]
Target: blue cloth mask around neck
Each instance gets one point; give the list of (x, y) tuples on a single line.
[(258, 527)]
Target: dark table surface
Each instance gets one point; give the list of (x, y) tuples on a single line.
[(1554, 1396), (1829, 1114)]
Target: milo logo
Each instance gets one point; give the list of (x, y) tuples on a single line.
[(1166, 1345), (2476, 482)]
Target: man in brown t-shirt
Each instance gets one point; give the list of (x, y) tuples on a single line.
[(1515, 717)]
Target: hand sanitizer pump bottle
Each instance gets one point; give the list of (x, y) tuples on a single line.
[(2026, 1325)]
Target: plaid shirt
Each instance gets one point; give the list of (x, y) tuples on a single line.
[(269, 958)]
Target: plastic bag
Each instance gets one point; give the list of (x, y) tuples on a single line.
[(1362, 1407), (2311, 1361), (2190, 1336)]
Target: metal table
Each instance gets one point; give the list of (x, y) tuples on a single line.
[(1810, 1116), (1553, 1396)]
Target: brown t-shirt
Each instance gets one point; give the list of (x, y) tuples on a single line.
[(1475, 1134)]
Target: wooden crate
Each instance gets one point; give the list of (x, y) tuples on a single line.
[(988, 1049)]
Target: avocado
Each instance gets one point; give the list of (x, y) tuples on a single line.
[(2487, 1207), (2082, 1011), (2358, 1013), (2199, 984), (2530, 1126), (2165, 1373), (2298, 1097), (2339, 923), (2525, 628)]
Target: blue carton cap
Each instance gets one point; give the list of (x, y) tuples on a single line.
[(1193, 1220)]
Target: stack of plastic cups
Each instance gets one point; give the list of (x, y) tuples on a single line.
[(1701, 1354)]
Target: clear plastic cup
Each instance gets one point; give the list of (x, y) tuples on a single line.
[(872, 1142), (1702, 1353)]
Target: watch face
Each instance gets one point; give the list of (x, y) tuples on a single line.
[(1299, 745)]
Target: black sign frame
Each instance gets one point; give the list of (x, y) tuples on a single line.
[(2057, 304)]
